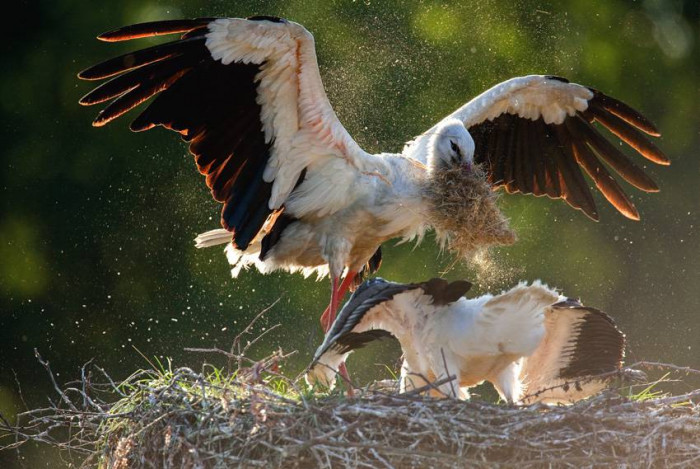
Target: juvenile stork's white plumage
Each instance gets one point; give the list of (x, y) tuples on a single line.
[(298, 192), (529, 342)]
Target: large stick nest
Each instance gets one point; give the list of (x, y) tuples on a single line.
[(464, 211), (254, 417)]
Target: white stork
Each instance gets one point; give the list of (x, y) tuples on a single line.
[(529, 342), (298, 192)]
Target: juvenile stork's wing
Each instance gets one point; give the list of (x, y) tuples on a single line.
[(247, 96), (364, 317), (579, 354), (535, 133)]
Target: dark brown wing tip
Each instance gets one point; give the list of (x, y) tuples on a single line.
[(651, 186), (88, 75), (153, 28), (666, 162), (85, 102), (657, 157), (588, 207), (137, 126), (626, 113), (119, 34), (590, 213), (99, 122), (632, 215)]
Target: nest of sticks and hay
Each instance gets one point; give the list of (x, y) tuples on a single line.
[(255, 417), (464, 211)]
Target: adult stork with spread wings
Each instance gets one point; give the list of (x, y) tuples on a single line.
[(299, 193)]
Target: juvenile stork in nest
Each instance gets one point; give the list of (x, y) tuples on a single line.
[(299, 193), (530, 342)]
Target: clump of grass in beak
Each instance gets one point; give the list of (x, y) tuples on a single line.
[(463, 211)]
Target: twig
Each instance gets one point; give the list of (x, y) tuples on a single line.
[(668, 366), (62, 395), (262, 334), (430, 386), (19, 390), (237, 340), (447, 373)]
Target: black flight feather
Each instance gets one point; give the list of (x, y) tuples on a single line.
[(154, 28), (597, 345), (531, 156), (213, 106)]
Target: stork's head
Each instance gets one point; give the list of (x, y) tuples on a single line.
[(451, 145)]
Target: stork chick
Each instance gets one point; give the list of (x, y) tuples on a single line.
[(530, 342)]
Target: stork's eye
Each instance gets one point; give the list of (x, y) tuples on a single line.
[(454, 146)]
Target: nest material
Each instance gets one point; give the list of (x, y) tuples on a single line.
[(464, 213), (181, 418)]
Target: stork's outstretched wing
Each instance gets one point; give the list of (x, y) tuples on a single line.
[(247, 96), (535, 133), (367, 312), (581, 350)]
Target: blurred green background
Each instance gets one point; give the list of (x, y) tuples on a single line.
[(96, 225)]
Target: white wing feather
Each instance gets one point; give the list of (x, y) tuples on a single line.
[(511, 323), (530, 97), (297, 116)]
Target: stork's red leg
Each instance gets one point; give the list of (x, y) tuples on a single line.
[(337, 294), (326, 319), (328, 316), (342, 290)]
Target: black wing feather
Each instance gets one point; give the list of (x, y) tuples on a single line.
[(532, 157), (444, 292), (627, 133), (150, 73), (371, 293), (625, 112), (597, 345), (355, 340), (132, 60), (607, 185), (609, 153), (213, 106), (154, 28)]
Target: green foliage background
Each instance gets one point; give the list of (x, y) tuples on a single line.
[(96, 225)]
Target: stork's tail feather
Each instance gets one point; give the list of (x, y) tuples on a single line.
[(582, 350), (213, 238)]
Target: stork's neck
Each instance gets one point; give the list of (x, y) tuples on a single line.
[(400, 204)]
